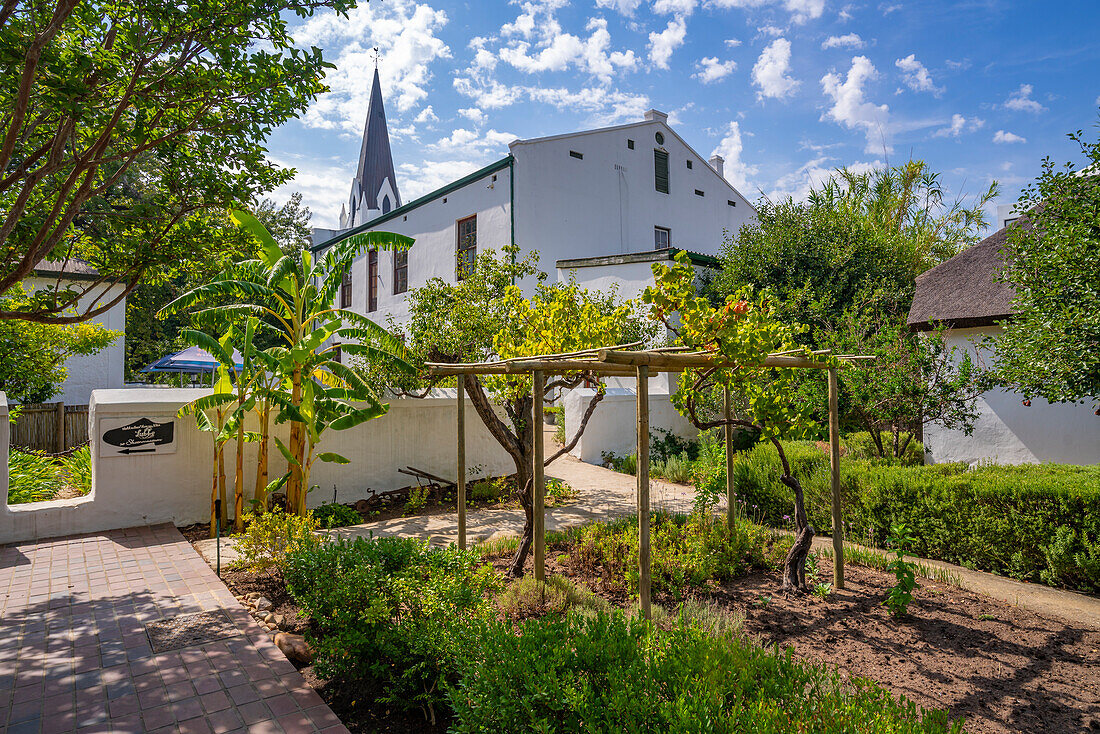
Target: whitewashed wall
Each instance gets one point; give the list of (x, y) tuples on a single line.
[(102, 370), (1008, 432), (138, 490), (613, 425)]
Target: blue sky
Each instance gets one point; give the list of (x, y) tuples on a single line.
[(786, 90)]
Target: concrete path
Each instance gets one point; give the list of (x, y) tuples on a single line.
[(75, 654)]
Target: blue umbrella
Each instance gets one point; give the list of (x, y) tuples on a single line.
[(192, 361)]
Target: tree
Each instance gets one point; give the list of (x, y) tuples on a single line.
[(33, 355), (288, 224), (484, 316), (122, 122), (741, 332), (1051, 347)]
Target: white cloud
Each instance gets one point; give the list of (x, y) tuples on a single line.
[(663, 44), (324, 185), (770, 73), (852, 110), (474, 115), (679, 8), (426, 115), (712, 70), (737, 172), (800, 10), (1097, 102), (813, 175), (403, 30), (732, 42), (958, 126), (848, 40), (626, 7), (916, 76), (555, 50), (1005, 137), (958, 65), (771, 31), (1021, 101)]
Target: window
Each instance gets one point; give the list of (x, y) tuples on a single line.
[(660, 171), (386, 204), (400, 271), (689, 165), (699, 193), (466, 246), (662, 238), (731, 202), (660, 138), (345, 289), (629, 144), (372, 280), (576, 155), (337, 353)]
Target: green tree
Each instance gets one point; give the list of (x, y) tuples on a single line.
[(288, 223), (122, 121), (1051, 348), (485, 317), (33, 355)]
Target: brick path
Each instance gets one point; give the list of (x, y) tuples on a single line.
[(74, 655)]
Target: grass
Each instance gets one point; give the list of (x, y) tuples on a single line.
[(35, 477)]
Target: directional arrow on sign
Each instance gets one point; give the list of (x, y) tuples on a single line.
[(137, 451)]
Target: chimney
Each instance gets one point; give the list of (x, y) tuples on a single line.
[(718, 163), (656, 115)]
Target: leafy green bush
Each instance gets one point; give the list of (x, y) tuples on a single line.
[(76, 470), (335, 515), (558, 489), (861, 446), (1031, 522), (31, 477), (487, 490), (269, 538), (685, 552), (622, 464), (676, 468), (609, 673), (527, 598), (389, 612)]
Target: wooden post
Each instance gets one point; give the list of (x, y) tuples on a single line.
[(461, 465), (643, 489), (729, 456), (59, 437), (538, 475), (834, 465)]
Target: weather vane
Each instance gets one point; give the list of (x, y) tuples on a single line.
[(376, 57)]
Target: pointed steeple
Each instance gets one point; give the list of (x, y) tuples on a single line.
[(375, 163)]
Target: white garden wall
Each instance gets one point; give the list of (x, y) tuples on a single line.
[(175, 487), (613, 425)]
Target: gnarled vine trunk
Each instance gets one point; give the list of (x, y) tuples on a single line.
[(794, 565)]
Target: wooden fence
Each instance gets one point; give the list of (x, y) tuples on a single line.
[(52, 428)]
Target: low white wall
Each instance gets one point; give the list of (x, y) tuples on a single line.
[(1009, 432), (138, 490), (613, 425)]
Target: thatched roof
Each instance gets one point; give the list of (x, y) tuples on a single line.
[(964, 291)]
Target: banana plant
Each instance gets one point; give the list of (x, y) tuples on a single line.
[(294, 294)]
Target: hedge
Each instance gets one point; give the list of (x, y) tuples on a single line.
[(1031, 522)]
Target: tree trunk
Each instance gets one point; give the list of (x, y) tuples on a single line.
[(261, 462), (214, 492), (794, 565), (238, 481), (526, 500), (294, 489), (221, 485)]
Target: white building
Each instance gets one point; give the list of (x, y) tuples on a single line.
[(964, 293), (87, 372), (591, 203)]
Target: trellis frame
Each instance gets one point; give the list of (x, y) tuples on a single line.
[(619, 362)]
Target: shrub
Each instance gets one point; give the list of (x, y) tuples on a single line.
[(390, 612), (526, 598), (335, 515), (861, 446), (622, 464), (1004, 519), (677, 468), (487, 490), (418, 499), (31, 477), (269, 538), (610, 673), (558, 490), (76, 470)]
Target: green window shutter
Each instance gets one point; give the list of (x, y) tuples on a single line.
[(660, 170)]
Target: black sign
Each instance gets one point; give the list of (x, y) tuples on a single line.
[(140, 437)]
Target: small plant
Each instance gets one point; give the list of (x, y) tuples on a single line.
[(905, 572), (527, 598), (557, 490), (822, 591), (31, 477), (487, 490), (987, 618), (762, 601), (622, 464), (76, 470), (418, 500), (334, 515), (269, 537)]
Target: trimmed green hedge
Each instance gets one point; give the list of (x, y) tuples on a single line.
[(1030, 522)]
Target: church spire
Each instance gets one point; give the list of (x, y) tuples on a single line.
[(370, 193)]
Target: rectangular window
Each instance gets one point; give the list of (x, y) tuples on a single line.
[(337, 353), (689, 165), (662, 238), (400, 271), (576, 155), (466, 247), (731, 202), (698, 192), (630, 144), (660, 171), (345, 289), (372, 280)]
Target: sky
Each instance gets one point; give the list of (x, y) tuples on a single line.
[(785, 90)]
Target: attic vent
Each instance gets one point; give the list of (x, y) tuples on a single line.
[(630, 144), (731, 202), (660, 171), (689, 165), (576, 155), (698, 192)]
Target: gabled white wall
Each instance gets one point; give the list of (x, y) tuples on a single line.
[(1008, 432)]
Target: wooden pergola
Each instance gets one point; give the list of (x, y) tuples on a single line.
[(619, 361)]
